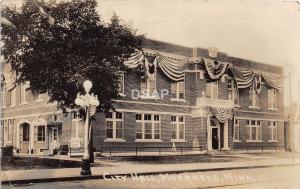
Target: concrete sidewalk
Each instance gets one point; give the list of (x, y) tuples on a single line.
[(127, 168)]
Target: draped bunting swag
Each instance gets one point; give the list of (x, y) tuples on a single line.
[(245, 78), (10, 77), (215, 69), (222, 114), (173, 69)]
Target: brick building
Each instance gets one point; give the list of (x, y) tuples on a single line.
[(171, 94)]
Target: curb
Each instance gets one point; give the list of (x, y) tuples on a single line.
[(93, 177)]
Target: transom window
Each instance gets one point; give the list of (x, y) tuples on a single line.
[(254, 130), (177, 90), (273, 133), (212, 90), (233, 92), (178, 127), (41, 133), (236, 131), (114, 125), (272, 99), (148, 126)]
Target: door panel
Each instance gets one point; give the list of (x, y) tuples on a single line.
[(215, 139)]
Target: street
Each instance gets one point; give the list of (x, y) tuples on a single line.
[(276, 177)]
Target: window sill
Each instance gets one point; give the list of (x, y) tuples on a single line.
[(254, 141), (236, 141), (253, 107), (178, 140), (273, 109), (148, 140), (177, 100), (273, 141), (114, 140)]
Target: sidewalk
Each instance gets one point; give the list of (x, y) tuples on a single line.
[(127, 168)]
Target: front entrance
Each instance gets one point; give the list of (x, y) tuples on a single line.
[(215, 138), (24, 138), (53, 139)]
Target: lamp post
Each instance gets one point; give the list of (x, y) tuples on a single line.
[(88, 102)]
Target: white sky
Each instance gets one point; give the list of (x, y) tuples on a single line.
[(263, 31)]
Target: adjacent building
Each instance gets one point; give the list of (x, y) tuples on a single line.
[(191, 97)]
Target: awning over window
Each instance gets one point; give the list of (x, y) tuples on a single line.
[(222, 114), (54, 123)]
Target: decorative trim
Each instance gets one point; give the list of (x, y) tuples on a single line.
[(148, 140), (151, 112), (259, 119), (151, 103)]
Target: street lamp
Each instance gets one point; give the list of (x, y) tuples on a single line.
[(89, 102)]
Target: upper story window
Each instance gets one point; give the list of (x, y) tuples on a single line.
[(253, 97), (273, 133), (177, 90), (13, 97), (212, 90), (200, 74), (147, 127), (23, 88), (233, 92), (148, 85), (178, 127), (121, 84), (254, 130), (272, 99), (3, 94), (37, 96), (114, 125)]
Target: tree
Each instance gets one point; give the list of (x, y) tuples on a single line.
[(57, 45)]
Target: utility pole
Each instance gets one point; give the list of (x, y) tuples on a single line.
[(291, 118)]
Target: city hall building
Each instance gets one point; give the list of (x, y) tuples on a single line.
[(171, 95)]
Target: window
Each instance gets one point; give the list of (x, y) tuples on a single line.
[(177, 90), (3, 94), (272, 99), (147, 126), (37, 96), (23, 88), (178, 127), (13, 97), (41, 133), (121, 84), (212, 90), (233, 92), (254, 130), (114, 125), (273, 130), (200, 75), (148, 86), (236, 131), (253, 97)]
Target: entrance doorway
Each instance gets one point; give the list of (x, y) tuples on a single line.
[(215, 138), (24, 137)]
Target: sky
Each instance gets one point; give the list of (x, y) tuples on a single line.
[(263, 31), (266, 31)]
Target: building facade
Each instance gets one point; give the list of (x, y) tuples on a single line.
[(190, 97)]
